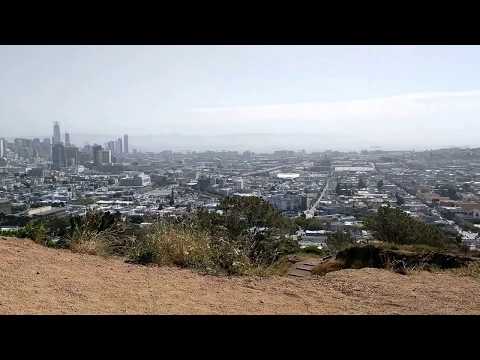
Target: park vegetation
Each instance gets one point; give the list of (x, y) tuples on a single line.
[(248, 236), (392, 225)]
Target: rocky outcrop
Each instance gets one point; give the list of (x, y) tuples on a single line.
[(397, 260)]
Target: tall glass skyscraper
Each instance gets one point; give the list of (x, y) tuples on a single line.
[(125, 144), (56, 133)]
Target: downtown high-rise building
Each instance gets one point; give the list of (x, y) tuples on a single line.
[(58, 156), (125, 144), (105, 157), (71, 156), (67, 139), (2, 148), (111, 146), (119, 146), (97, 154), (56, 133)]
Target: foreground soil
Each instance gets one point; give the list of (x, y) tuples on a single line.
[(39, 280)]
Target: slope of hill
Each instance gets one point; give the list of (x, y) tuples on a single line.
[(39, 280)]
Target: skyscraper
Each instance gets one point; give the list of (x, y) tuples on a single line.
[(56, 133), (111, 146), (67, 139), (106, 157), (97, 156), (58, 156), (71, 156), (2, 148), (125, 144), (119, 146)]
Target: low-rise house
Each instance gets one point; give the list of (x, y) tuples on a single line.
[(471, 210)]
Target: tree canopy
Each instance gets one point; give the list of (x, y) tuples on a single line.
[(393, 225)]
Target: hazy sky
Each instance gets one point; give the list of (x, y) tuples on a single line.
[(391, 96)]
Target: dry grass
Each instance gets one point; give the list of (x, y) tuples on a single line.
[(173, 245), (327, 266), (186, 246), (90, 242), (38, 280), (471, 270)]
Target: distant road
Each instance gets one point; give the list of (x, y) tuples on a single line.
[(324, 191), (258, 172)]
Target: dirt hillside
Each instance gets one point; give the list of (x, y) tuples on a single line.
[(39, 280)]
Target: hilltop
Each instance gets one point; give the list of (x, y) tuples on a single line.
[(38, 280)]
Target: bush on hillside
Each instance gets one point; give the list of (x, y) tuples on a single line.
[(96, 233), (249, 237), (168, 243), (339, 241), (395, 226), (249, 234)]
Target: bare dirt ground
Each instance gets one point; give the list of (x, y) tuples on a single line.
[(39, 280)]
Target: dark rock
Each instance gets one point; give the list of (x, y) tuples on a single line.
[(400, 261)]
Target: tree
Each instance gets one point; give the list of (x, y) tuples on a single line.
[(253, 211), (393, 225), (400, 199), (449, 191), (339, 241), (308, 224)]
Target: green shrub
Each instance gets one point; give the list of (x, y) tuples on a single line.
[(35, 231), (90, 242), (339, 241), (185, 245), (395, 226), (97, 233)]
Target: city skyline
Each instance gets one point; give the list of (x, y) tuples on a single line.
[(351, 96)]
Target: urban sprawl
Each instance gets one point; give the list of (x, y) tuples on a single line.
[(54, 178)]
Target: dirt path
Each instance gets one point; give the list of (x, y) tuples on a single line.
[(35, 279), (303, 268)]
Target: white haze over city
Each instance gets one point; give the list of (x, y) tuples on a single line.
[(258, 98)]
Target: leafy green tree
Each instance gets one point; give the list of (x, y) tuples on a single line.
[(395, 226), (400, 199), (253, 212), (301, 222), (339, 240), (450, 191)]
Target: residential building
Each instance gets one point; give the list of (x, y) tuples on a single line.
[(139, 179)]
